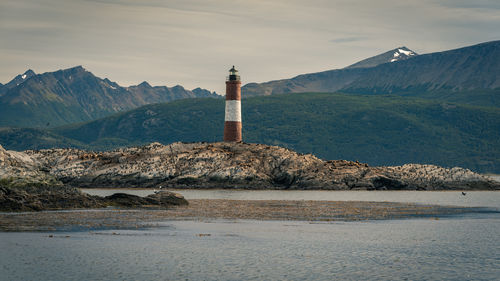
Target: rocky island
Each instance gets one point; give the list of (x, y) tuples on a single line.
[(224, 165)]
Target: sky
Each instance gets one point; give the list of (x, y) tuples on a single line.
[(194, 43)]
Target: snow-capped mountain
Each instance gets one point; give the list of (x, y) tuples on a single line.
[(401, 54), (19, 79), (401, 71), (394, 55)]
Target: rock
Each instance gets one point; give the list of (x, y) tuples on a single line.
[(14, 199), (163, 198), (224, 165), (126, 200), (167, 198), (383, 183)]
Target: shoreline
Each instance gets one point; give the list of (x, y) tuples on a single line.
[(495, 177), (442, 198), (285, 190), (210, 209)]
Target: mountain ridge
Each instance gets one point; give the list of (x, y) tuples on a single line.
[(467, 68), (473, 68), (76, 95)]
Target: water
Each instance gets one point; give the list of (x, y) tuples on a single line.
[(495, 177), (455, 198), (465, 248)]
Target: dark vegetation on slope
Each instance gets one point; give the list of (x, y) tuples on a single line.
[(378, 130)]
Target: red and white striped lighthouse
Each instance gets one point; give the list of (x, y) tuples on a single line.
[(232, 125)]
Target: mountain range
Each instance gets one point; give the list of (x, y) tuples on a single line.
[(76, 95), (467, 75)]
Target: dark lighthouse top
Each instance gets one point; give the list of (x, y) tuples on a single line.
[(233, 75)]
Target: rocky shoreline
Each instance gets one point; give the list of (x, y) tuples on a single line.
[(224, 165), (40, 198)]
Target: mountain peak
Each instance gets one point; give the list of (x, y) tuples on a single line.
[(144, 84), (397, 54), (28, 73), (19, 79), (204, 93), (71, 73), (401, 53), (77, 68)]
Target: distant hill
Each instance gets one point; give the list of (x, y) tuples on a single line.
[(379, 130), (466, 75), (31, 138), (76, 95)]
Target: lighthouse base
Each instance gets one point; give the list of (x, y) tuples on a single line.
[(232, 131)]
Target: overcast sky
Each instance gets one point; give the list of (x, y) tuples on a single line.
[(194, 42)]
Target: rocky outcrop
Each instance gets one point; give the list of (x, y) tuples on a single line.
[(231, 165), (163, 198), (20, 169), (431, 177), (240, 165), (26, 184), (38, 198)]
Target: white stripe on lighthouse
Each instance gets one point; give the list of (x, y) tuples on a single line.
[(233, 110)]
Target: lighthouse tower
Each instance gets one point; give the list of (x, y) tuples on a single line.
[(232, 125)]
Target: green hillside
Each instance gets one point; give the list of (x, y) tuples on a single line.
[(29, 138), (379, 130), (188, 120)]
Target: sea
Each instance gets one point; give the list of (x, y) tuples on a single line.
[(461, 247)]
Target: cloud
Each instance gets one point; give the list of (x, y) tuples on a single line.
[(467, 4), (347, 39), (194, 42)]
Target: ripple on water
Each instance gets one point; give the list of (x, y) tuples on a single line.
[(455, 198), (453, 249)]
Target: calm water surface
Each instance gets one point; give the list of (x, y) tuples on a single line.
[(465, 247), (460, 248), (471, 199)]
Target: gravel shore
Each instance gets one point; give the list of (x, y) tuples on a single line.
[(207, 209)]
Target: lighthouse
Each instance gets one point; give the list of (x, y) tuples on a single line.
[(232, 124)]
